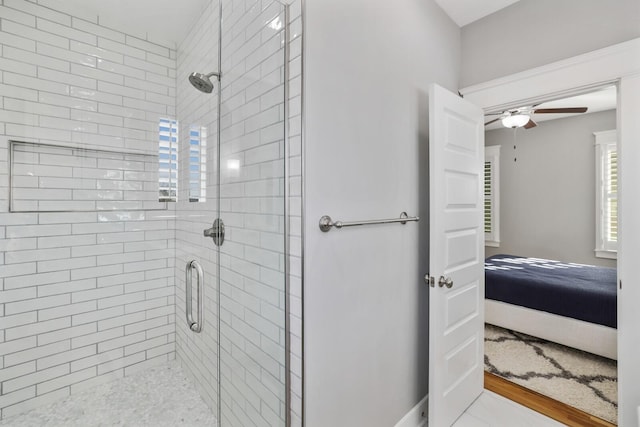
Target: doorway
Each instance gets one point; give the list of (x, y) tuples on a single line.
[(577, 75), (545, 182)]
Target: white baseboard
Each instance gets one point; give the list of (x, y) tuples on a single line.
[(417, 416)]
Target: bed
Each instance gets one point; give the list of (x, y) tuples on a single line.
[(568, 303)]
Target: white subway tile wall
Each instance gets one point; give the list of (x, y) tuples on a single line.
[(84, 296)]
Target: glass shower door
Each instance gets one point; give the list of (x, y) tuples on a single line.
[(197, 208), (252, 205)]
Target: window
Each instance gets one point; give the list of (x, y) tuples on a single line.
[(168, 161), (197, 164), (492, 196), (606, 194)]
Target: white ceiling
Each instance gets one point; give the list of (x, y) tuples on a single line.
[(464, 12), (167, 20), (600, 100)]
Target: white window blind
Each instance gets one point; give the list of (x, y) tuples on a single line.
[(197, 164), (168, 161), (606, 194), (492, 196)]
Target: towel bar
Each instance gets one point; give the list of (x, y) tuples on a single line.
[(326, 222)]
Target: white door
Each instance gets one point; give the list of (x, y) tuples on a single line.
[(456, 255)]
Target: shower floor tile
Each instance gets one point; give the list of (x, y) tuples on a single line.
[(158, 396)]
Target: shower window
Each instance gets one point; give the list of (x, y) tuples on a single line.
[(197, 164), (168, 161)]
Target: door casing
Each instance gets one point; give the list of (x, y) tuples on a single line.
[(619, 64)]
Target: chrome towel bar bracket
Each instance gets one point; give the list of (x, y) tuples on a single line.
[(326, 223)]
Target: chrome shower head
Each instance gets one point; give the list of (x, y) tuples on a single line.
[(202, 82)]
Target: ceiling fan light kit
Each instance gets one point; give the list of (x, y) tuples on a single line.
[(515, 120), (521, 117)]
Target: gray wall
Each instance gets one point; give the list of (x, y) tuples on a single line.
[(531, 33), (368, 64), (547, 196)]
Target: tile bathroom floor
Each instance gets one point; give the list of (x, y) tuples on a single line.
[(161, 396)]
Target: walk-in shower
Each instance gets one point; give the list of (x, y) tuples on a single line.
[(111, 167)]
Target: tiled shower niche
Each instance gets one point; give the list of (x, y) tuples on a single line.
[(53, 178)]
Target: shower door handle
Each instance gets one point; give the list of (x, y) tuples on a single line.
[(195, 326)]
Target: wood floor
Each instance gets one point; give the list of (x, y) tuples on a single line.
[(542, 404)]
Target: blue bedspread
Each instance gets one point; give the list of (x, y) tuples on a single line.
[(583, 292)]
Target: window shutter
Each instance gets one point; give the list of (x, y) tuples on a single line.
[(611, 185), (197, 164), (492, 195), (168, 160), (606, 194), (487, 197)]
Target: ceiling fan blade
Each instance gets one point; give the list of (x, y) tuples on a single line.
[(560, 110), (499, 113), (492, 121), (530, 124)]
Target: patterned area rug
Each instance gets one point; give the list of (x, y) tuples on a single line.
[(582, 380)]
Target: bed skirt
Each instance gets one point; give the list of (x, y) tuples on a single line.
[(589, 337)]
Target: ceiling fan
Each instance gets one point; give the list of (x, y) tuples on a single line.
[(521, 117)]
